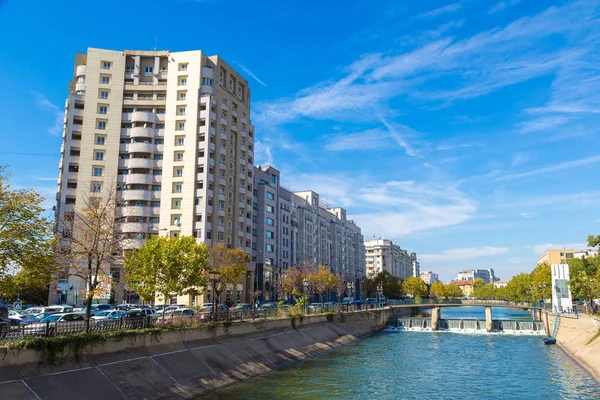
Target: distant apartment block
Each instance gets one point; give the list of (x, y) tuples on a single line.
[(562, 256), (299, 229), (170, 132), (385, 255), (428, 277), (471, 274)]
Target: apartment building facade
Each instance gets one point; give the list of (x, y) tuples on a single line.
[(170, 132), (428, 277), (487, 275), (385, 255), (299, 229)]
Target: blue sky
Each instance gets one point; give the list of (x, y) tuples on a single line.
[(466, 131)]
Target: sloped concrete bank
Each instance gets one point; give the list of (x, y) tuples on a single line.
[(181, 364), (574, 336)]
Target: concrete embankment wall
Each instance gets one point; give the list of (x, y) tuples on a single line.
[(573, 336), (181, 364)]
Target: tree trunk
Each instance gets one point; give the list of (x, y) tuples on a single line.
[(88, 305)]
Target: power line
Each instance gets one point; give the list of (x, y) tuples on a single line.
[(29, 154)]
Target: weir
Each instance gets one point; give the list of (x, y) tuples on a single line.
[(468, 326)]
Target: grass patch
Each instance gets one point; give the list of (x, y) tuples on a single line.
[(593, 337)]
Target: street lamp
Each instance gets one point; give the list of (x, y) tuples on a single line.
[(305, 283), (213, 278), (379, 292)]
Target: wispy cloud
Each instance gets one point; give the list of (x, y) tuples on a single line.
[(264, 153), (442, 10), (519, 159), (544, 123), (528, 215), (501, 5), (552, 168), (401, 134), (463, 254), (45, 104), (366, 140), (246, 70), (541, 248)]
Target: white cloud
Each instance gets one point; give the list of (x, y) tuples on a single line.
[(528, 214), (501, 5), (461, 254), (442, 10), (541, 248), (400, 133), (553, 168), (45, 104), (519, 158), (365, 140), (544, 123), (264, 153)]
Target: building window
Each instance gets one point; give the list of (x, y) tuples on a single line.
[(106, 64), (274, 179), (176, 204), (102, 110), (181, 126), (178, 188), (270, 222), (269, 248), (183, 67), (105, 80), (182, 95), (147, 71), (104, 94), (96, 187), (269, 208), (207, 81), (269, 234), (99, 155), (101, 125), (178, 156), (270, 196), (97, 171), (181, 111), (100, 140), (179, 172), (183, 81)]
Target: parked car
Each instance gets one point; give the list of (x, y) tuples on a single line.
[(18, 318), (241, 307), (102, 315), (94, 309), (147, 312), (180, 312), (330, 304), (315, 305), (169, 308), (348, 300), (268, 305), (370, 300), (41, 327)]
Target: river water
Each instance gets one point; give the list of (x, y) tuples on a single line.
[(426, 365)]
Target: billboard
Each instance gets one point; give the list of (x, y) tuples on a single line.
[(561, 293)]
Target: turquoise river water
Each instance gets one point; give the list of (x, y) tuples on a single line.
[(430, 365)]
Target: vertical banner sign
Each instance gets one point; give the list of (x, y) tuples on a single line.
[(561, 293)]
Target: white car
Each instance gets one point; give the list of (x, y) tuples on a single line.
[(149, 312), (170, 308), (49, 322), (18, 319), (105, 314)]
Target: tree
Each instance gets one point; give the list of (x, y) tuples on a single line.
[(485, 291), (454, 291), (322, 281), (438, 290), (165, 266), (541, 282), (225, 267), (478, 283), (519, 287), (391, 285), (90, 244), (26, 236), (415, 287), (593, 241), (339, 286)]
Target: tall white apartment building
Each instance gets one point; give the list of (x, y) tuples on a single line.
[(170, 132), (428, 277), (471, 274), (299, 229), (385, 255)]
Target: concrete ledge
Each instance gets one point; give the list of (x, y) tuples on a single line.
[(183, 364)]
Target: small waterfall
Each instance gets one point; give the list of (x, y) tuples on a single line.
[(468, 326)]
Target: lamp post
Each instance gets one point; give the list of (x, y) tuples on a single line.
[(213, 278), (350, 298), (305, 284), (379, 292)]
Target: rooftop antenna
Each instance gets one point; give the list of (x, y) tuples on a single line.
[(156, 44)]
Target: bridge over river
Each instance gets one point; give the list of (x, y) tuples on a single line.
[(437, 305)]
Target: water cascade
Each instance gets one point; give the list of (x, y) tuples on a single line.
[(468, 326)]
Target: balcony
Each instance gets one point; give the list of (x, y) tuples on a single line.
[(134, 211), (212, 131), (221, 197), (206, 89), (222, 151), (81, 70), (139, 131), (243, 120), (199, 176), (141, 148), (76, 127), (128, 195), (240, 234), (224, 106), (234, 113), (208, 73), (203, 114), (129, 244), (223, 136), (80, 86), (221, 213), (233, 127), (157, 164), (209, 210), (211, 162), (138, 179), (242, 147), (77, 112), (143, 116), (223, 122), (71, 192), (221, 228), (242, 205), (199, 193), (242, 161), (159, 148), (133, 227), (126, 117), (241, 219), (222, 182), (212, 146), (242, 190)]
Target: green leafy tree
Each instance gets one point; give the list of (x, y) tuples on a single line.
[(486, 291), (593, 240), (339, 286), (26, 236), (437, 290), (477, 286), (166, 266), (541, 282), (519, 288), (391, 285), (415, 287), (454, 291), (225, 267)]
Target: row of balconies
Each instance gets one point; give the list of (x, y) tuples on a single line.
[(142, 163), (144, 132), (143, 195), (141, 148), (139, 179), (143, 116), (138, 211)]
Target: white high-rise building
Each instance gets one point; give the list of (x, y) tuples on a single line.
[(170, 132), (383, 254), (428, 277), (298, 228)]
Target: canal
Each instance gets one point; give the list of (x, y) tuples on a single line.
[(426, 365)]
